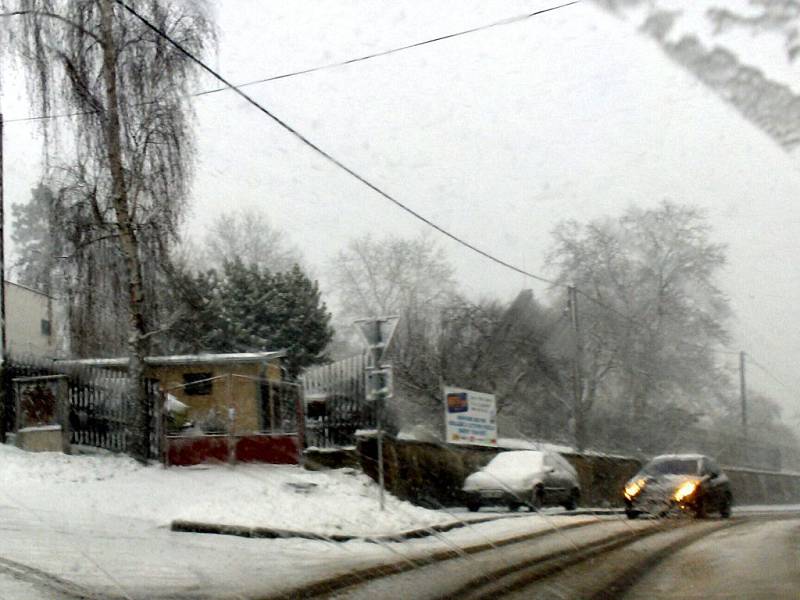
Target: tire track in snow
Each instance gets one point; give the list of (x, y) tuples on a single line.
[(63, 589)]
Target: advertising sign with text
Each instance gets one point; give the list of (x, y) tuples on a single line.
[(470, 417)]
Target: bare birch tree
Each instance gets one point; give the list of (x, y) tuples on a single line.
[(125, 89)]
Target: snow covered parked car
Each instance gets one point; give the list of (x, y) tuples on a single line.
[(688, 482), (523, 477)]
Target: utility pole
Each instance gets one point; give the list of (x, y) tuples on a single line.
[(379, 402), (377, 333), (743, 391), (577, 384), (3, 344)]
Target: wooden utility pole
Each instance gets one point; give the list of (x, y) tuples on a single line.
[(3, 344), (578, 413), (743, 391)]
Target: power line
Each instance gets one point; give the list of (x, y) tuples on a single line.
[(769, 373), (373, 186), (333, 65), (328, 156), (449, 36), (642, 325), (353, 173)]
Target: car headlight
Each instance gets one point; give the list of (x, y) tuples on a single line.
[(633, 488), (686, 489)]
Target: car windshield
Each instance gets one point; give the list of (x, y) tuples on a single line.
[(292, 288), (515, 461), (672, 466)]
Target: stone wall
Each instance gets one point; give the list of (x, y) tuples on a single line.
[(432, 474), (762, 487)]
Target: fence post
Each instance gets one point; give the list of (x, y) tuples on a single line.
[(300, 413), (231, 415), (160, 432)]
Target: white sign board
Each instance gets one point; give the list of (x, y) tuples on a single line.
[(470, 417)]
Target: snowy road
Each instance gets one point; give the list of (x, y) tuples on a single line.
[(754, 555), (756, 560), (43, 555), (46, 554)]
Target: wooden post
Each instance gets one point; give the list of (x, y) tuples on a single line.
[(231, 419), (3, 345)]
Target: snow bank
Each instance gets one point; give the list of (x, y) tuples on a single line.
[(102, 486)]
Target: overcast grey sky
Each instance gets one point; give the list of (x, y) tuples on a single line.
[(496, 136)]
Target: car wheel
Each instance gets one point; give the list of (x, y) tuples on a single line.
[(632, 514), (700, 510), (514, 506), (537, 498), (473, 505), (725, 510), (574, 497)]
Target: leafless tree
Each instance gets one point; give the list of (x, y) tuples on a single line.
[(650, 308), (248, 235), (392, 275), (125, 88), (491, 347)]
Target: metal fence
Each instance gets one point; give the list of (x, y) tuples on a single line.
[(99, 414), (336, 405)]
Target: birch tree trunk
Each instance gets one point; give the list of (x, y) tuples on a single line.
[(139, 430)]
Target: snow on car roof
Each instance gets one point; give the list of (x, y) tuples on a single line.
[(678, 457), (516, 459)]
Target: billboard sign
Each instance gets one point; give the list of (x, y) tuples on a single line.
[(470, 417)]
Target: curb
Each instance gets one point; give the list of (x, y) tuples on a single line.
[(272, 533), (411, 534)]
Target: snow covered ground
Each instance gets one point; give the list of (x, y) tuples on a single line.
[(340, 501), (98, 524)]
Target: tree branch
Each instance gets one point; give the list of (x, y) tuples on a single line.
[(39, 13)]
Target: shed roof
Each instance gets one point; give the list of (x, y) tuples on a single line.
[(176, 360)]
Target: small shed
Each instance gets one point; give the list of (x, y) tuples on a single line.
[(237, 406)]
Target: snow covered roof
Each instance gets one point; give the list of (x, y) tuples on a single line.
[(688, 456), (184, 359)]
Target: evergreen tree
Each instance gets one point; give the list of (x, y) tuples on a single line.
[(248, 308), (35, 240)]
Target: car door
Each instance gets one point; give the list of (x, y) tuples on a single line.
[(570, 479), (555, 479)]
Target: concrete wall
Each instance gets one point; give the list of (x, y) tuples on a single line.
[(25, 311), (761, 487), (432, 474), (319, 459)]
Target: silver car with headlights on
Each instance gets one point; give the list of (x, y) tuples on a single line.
[(691, 483)]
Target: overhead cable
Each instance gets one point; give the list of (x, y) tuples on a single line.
[(342, 63), (325, 154)]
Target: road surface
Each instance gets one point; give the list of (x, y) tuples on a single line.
[(751, 556), (43, 555)]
